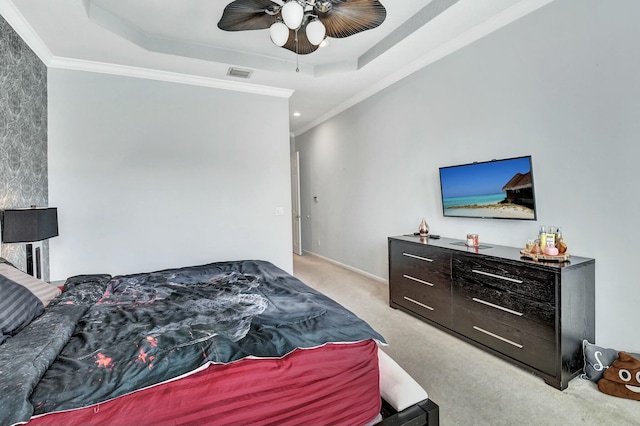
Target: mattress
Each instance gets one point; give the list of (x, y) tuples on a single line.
[(334, 384)]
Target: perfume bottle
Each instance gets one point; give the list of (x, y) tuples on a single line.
[(542, 236), (551, 236), (560, 244)]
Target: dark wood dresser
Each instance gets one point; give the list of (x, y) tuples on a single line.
[(533, 314)]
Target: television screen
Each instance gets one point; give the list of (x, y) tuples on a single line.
[(497, 189)]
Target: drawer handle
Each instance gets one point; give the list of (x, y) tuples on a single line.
[(502, 308), (513, 280), (517, 345), (409, 277), (417, 257), (418, 303)]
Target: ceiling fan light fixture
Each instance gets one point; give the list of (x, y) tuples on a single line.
[(292, 14), (316, 32), (309, 23), (279, 33)]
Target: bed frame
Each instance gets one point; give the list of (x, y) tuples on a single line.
[(423, 413)]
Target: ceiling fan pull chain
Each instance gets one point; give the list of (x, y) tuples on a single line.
[(297, 56)]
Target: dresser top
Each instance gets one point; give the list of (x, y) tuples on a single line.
[(491, 250)]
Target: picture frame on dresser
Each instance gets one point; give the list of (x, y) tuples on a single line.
[(533, 314)]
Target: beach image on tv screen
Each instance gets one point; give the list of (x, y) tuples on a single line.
[(494, 189)]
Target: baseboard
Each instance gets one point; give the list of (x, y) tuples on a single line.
[(350, 268)]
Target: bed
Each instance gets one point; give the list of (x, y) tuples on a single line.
[(225, 343)]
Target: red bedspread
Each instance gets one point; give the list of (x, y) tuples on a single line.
[(335, 384)]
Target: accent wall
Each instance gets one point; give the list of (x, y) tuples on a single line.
[(23, 135)]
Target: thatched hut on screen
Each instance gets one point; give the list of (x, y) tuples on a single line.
[(519, 190)]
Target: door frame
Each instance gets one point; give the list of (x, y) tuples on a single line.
[(296, 215)]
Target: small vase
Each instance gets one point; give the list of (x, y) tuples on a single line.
[(423, 229)]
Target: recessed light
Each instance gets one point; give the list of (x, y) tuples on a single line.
[(296, 114)]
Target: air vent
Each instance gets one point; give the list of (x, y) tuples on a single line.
[(239, 73)]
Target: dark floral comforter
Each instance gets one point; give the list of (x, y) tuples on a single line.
[(105, 337)]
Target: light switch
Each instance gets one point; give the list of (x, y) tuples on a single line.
[(279, 211)]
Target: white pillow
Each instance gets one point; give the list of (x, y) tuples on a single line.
[(397, 387), (42, 290)]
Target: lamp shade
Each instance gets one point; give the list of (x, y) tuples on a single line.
[(316, 32), (29, 225), (292, 14), (279, 33)]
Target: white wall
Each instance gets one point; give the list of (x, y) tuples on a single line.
[(149, 175), (561, 85)]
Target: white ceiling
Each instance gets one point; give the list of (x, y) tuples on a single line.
[(180, 41)]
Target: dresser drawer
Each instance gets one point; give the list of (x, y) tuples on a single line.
[(424, 263), (510, 277), (432, 301), (423, 300), (507, 307), (512, 341)]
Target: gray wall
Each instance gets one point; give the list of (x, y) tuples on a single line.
[(561, 85), (23, 134), (149, 175)]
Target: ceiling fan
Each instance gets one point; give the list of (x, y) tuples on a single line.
[(301, 25)]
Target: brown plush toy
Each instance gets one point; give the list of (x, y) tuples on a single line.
[(622, 378)]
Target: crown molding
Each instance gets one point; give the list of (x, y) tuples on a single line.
[(509, 15), (20, 25), (18, 22), (167, 76)]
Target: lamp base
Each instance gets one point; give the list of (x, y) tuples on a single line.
[(38, 264), (29, 250), (31, 263)]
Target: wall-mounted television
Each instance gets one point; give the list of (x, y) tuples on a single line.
[(496, 189)]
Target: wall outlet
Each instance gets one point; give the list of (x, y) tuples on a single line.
[(318, 243), (279, 211)]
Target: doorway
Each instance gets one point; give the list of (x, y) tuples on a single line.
[(295, 203)]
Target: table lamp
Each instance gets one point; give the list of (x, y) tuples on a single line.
[(28, 226)]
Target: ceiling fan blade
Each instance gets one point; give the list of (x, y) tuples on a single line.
[(348, 17), (241, 15), (304, 45)]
